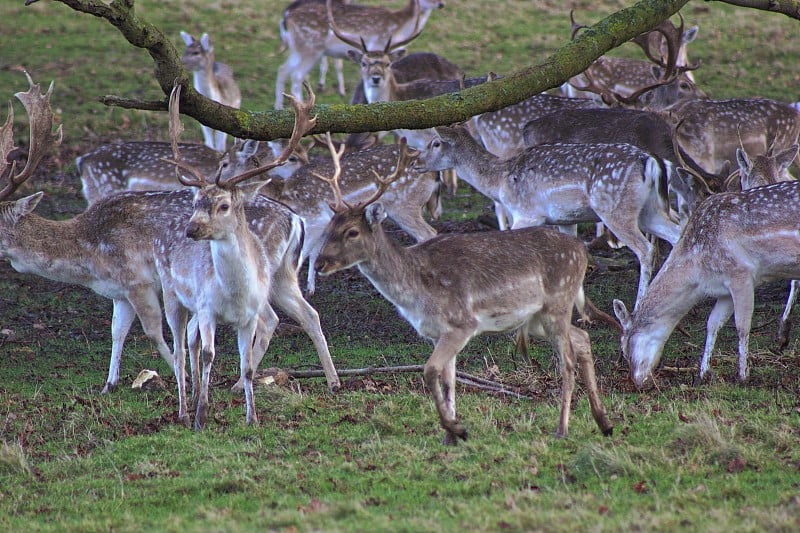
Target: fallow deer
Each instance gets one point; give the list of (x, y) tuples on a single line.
[(109, 247), (213, 80), (310, 198), (141, 165), (732, 243), (528, 278), (564, 184), (309, 37)]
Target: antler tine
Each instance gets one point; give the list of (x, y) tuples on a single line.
[(303, 123), (414, 34), (40, 116), (574, 27), (593, 87), (404, 157), (339, 204), (689, 164), (336, 31), (175, 130)]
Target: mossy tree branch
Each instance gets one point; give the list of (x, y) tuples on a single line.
[(567, 61)]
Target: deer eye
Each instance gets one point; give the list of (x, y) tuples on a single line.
[(352, 233), (364, 64), (224, 207), (435, 143), (292, 159)]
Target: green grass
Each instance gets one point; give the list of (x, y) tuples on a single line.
[(721, 457)]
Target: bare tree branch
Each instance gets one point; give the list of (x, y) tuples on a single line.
[(790, 8), (565, 62)]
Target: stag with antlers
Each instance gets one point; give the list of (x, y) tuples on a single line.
[(528, 278)]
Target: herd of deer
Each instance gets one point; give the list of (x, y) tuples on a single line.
[(634, 145)]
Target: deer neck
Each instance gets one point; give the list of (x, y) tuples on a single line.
[(479, 167), (205, 82), (238, 262)]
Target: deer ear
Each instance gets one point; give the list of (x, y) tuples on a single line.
[(354, 55), (187, 39), (252, 189), (742, 160), (785, 158), (204, 42), (397, 54), (249, 148), (23, 206), (622, 315), (375, 214)]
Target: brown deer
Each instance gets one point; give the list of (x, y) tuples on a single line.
[(109, 247), (310, 198), (308, 36), (142, 165), (529, 278), (213, 80), (732, 243), (666, 50), (565, 184)]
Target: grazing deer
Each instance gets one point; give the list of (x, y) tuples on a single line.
[(643, 129), (666, 50), (141, 165), (732, 243), (564, 184), (309, 37), (711, 131), (213, 80), (310, 198), (529, 278), (109, 247)]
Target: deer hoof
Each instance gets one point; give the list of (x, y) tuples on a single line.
[(109, 387), (702, 379)]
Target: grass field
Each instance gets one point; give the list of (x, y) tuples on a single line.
[(717, 457)]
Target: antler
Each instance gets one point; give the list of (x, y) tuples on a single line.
[(404, 157), (362, 45), (339, 204), (691, 166), (175, 130), (40, 116), (303, 123), (574, 27)]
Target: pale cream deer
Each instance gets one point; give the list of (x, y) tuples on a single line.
[(213, 80), (109, 247), (308, 35), (565, 184), (732, 243), (142, 165), (529, 278)]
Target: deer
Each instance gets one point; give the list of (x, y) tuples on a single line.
[(665, 48), (338, 63), (732, 243), (218, 271), (528, 278), (564, 184), (309, 197), (141, 165), (308, 36), (212, 79), (108, 247), (643, 129)]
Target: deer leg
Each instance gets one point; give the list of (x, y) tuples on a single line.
[(743, 304), (121, 321), (785, 324), (177, 319), (719, 314), (265, 328), (436, 379), (644, 251), (220, 140), (148, 309), (338, 66), (193, 340), (208, 136), (501, 213), (566, 357), (289, 299), (323, 73), (207, 353), (582, 348), (246, 339)]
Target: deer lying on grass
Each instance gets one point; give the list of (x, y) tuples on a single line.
[(141, 165), (732, 243), (565, 184), (220, 271), (528, 278), (309, 38), (109, 247), (213, 80)]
